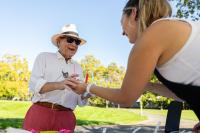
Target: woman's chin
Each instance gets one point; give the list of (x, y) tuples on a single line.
[(131, 41)]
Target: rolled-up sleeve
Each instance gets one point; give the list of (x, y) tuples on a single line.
[(37, 76)]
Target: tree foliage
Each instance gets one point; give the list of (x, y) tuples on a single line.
[(188, 9), (110, 76), (14, 76)]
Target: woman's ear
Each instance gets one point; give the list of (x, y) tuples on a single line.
[(133, 16), (134, 13)]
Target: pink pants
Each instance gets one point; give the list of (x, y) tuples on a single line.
[(42, 118)]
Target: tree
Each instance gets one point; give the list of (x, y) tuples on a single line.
[(110, 76), (90, 63), (188, 9), (14, 76)]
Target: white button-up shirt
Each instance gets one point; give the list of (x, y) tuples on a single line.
[(49, 67)]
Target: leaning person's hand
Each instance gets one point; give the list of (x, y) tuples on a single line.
[(76, 85), (197, 128)]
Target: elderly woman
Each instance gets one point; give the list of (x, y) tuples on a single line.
[(53, 101)]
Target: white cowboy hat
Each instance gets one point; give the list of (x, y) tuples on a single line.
[(67, 30)]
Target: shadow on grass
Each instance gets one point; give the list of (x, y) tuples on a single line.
[(10, 122), (17, 122)]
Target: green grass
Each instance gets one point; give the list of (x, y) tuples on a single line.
[(107, 116), (13, 109), (13, 112)]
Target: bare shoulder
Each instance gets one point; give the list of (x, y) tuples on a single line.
[(164, 33), (168, 30), (156, 36), (161, 31)]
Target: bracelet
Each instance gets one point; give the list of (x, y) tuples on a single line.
[(88, 88)]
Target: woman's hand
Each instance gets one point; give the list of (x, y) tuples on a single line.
[(76, 85), (197, 128)]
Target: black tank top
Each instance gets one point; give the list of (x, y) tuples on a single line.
[(189, 93)]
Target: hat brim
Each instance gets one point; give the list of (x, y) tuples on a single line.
[(54, 38)]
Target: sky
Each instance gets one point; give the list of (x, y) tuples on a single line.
[(26, 28)]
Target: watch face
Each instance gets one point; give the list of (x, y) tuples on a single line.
[(65, 74)]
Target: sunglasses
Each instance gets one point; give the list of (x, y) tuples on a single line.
[(71, 40)]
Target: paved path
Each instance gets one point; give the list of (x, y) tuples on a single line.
[(154, 119), (147, 126)]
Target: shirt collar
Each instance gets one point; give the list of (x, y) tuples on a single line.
[(59, 56)]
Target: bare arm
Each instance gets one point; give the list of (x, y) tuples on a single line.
[(141, 64)]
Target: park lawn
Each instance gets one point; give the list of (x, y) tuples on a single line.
[(186, 114), (106, 116), (13, 112)]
